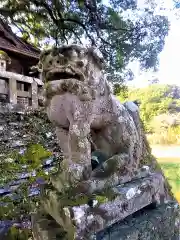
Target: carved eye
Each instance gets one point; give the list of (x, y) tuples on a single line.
[(46, 53), (73, 53), (50, 62), (57, 61), (65, 60), (80, 63)]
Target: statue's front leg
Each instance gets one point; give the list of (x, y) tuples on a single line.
[(62, 136), (119, 168), (80, 150), (76, 165)]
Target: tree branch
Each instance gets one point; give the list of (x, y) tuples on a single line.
[(45, 5), (60, 23), (7, 12), (83, 26), (21, 30), (105, 26)]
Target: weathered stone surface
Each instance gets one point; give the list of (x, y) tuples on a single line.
[(92, 127), (162, 223), (18, 128), (88, 117), (130, 198), (103, 144), (101, 213), (17, 131), (80, 103)]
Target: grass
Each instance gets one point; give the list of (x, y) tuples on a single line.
[(169, 161), (171, 169)]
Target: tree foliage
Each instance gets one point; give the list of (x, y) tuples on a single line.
[(119, 30), (155, 100)]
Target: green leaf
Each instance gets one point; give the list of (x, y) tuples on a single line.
[(81, 3)]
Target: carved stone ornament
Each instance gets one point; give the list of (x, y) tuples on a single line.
[(108, 171)]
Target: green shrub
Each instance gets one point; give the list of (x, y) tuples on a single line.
[(155, 100)]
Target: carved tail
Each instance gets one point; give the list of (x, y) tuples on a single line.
[(133, 110)]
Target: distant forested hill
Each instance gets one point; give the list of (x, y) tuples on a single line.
[(159, 108)]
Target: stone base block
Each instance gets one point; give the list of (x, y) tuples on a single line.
[(84, 222), (161, 223), (131, 197)]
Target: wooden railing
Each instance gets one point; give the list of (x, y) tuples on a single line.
[(10, 87)]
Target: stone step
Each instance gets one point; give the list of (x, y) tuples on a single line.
[(149, 223), (161, 223)]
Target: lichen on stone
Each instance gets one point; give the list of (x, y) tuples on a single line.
[(88, 118)]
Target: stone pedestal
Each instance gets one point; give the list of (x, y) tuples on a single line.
[(12, 91), (93, 221), (161, 223)]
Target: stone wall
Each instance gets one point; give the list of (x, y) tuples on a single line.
[(19, 128)]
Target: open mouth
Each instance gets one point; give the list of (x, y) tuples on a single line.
[(52, 76)]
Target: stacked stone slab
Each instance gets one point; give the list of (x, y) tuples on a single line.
[(160, 223), (18, 129)]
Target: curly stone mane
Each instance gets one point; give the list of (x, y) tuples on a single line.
[(73, 69)]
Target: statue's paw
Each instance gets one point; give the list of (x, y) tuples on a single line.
[(81, 188), (106, 169)]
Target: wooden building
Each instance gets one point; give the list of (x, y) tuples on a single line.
[(16, 58)]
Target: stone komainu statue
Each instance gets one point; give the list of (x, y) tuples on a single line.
[(103, 144)]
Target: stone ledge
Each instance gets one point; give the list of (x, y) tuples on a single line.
[(162, 223), (131, 197), (20, 77)]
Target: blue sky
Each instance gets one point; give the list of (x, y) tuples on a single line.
[(169, 68), (169, 58)]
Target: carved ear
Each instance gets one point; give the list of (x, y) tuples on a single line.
[(43, 55), (104, 87), (108, 88), (96, 56)]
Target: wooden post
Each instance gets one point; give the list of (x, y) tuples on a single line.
[(34, 89), (12, 91)]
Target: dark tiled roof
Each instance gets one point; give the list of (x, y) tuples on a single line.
[(9, 41)]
